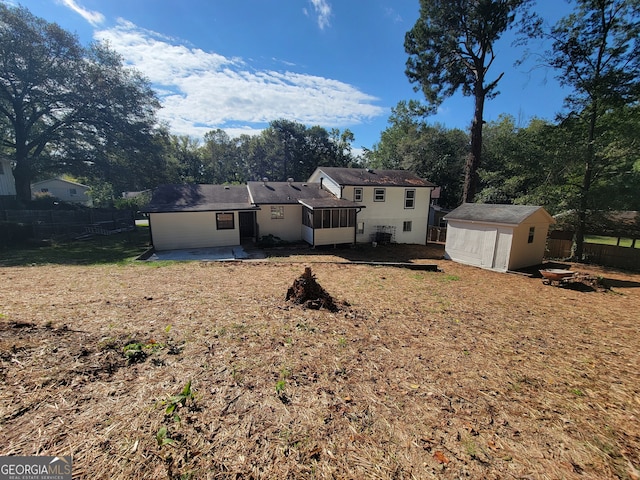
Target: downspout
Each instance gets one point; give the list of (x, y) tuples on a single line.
[(426, 240), (355, 226)]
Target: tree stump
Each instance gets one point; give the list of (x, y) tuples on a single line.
[(307, 292)]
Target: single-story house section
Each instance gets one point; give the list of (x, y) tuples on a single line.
[(497, 237), (63, 190), (200, 216), (395, 202), (296, 211)]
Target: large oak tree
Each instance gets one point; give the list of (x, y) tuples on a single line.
[(451, 47), (63, 104)]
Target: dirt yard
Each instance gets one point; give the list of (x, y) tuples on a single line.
[(204, 370)]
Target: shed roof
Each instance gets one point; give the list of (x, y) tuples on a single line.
[(369, 177), (199, 198), (492, 213)]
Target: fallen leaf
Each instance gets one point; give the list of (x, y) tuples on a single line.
[(439, 456)]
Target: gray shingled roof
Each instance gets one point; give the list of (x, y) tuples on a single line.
[(199, 198), (309, 194), (368, 177), (491, 213)]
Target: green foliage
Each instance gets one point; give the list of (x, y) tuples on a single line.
[(280, 386), (81, 109), (162, 437), (187, 394), (451, 48), (430, 151)]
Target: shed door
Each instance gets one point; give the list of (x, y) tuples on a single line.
[(502, 249)]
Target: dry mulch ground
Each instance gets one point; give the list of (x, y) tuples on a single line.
[(449, 374)]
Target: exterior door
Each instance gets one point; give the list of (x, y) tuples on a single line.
[(247, 222)]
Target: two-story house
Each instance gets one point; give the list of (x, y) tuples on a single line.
[(395, 202), (335, 206)]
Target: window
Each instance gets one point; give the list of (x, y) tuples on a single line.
[(532, 231), (44, 190), (224, 221), (409, 199), (277, 212), (360, 229), (378, 195), (329, 218), (357, 194), (406, 226)]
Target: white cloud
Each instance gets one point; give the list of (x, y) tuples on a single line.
[(323, 10), (94, 18), (202, 91)]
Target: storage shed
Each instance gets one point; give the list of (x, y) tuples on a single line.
[(497, 237)]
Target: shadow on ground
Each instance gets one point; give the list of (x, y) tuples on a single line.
[(365, 252)]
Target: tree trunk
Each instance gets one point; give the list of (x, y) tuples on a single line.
[(586, 187), (23, 175), (473, 159)]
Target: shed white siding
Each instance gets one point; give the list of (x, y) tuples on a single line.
[(179, 230), (498, 246)]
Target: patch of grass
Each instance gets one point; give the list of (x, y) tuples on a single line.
[(624, 242), (122, 248)]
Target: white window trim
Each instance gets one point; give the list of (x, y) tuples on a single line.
[(411, 199)]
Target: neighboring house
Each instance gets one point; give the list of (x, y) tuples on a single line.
[(395, 202), (63, 190), (497, 237), (329, 209), (7, 182)]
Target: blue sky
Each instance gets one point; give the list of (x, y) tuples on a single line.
[(239, 64)]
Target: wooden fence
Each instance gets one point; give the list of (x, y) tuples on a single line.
[(436, 234), (59, 223), (608, 255)]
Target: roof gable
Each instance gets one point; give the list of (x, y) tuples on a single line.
[(492, 213), (368, 177)]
